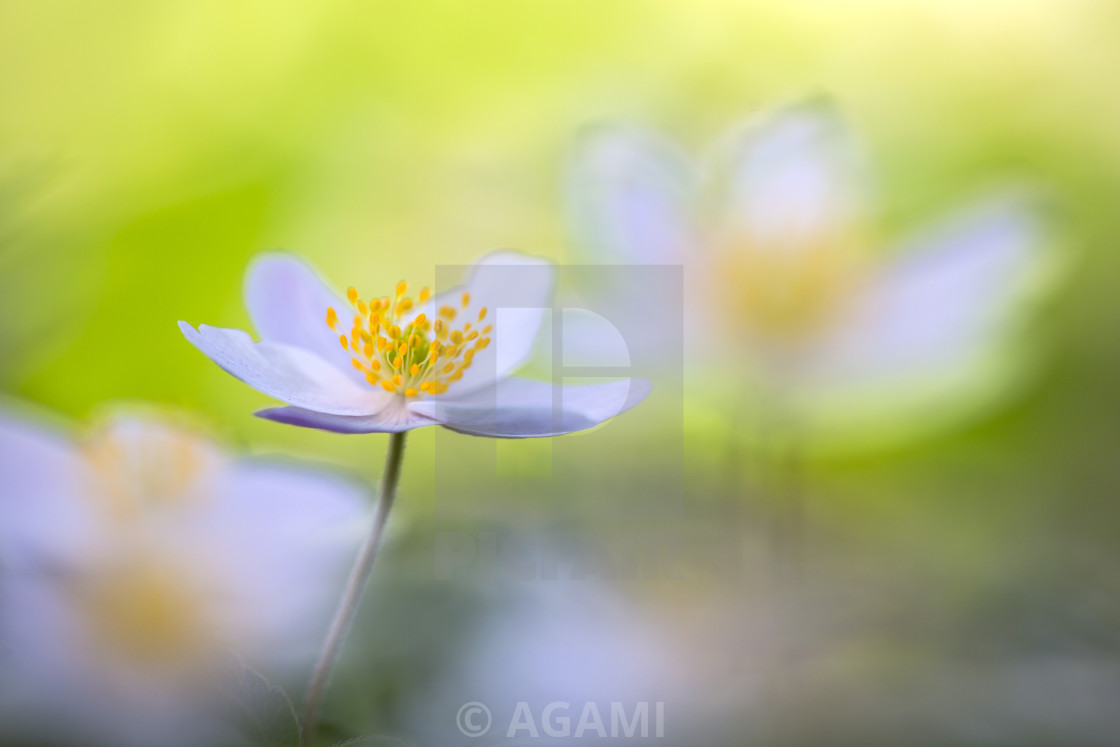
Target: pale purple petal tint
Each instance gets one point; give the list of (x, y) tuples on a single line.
[(134, 554), (523, 408), (401, 419), (511, 408), (947, 294), (793, 176), (39, 513), (629, 196)]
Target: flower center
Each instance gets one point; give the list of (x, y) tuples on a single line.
[(790, 293), (145, 610), (410, 355)]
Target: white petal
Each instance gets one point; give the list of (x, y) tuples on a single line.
[(288, 304), (521, 408), (796, 176), (286, 502), (391, 419), (629, 194), (288, 373), (43, 517), (516, 290), (949, 293), (289, 534)]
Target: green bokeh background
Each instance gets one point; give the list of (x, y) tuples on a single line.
[(149, 150)]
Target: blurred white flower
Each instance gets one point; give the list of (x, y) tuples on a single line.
[(776, 235), (134, 559)]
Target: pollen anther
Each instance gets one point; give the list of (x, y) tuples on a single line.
[(423, 357)]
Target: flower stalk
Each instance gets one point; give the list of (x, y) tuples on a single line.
[(352, 595)]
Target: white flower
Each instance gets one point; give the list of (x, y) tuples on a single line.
[(392, 363), (131, 558), (776, 237)]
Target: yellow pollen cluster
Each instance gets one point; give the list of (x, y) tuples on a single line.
[(409, 355)]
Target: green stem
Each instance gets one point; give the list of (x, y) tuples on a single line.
[(355, 585)]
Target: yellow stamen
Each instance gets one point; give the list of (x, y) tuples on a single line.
[(424, 357)]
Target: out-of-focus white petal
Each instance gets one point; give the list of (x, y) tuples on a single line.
[(629, 194), (288, 301), (392, 419), (289, 534), (516, 290), (796, 175), (522, 408), (284, 502), (42, 515), (945, 295), (290, 374)]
